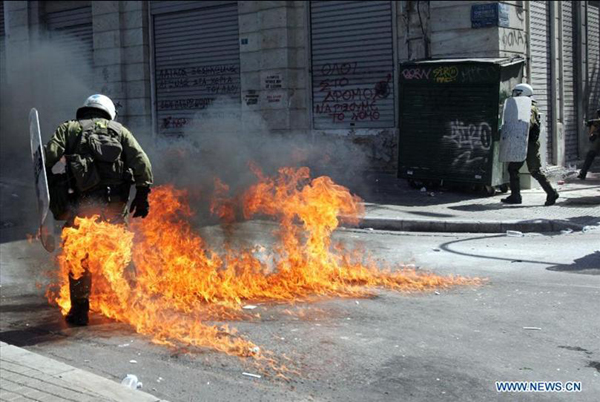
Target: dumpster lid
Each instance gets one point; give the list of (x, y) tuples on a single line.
[(503, 61)]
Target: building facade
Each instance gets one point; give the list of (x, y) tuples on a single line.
[(318, 68)]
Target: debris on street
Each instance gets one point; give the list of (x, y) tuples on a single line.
[(131, 381), (252, 375)]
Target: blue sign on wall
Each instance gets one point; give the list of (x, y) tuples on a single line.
[(489, 15)]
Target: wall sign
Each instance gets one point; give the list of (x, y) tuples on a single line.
[(489, 15)]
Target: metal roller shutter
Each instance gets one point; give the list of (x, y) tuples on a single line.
[(593, 38), (196, 62), (540, 64), (352, 64), (2, 47), (570, 116), (71, 30)]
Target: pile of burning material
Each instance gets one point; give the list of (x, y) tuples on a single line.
[(179, 280)]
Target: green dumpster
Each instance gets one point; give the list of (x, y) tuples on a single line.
[(450, 112)]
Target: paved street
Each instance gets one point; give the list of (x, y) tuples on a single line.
[(534, 319)]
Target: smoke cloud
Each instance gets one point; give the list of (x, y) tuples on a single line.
[(55, 81)]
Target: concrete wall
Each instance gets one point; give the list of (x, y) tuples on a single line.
[(122, 59), (273, 48)]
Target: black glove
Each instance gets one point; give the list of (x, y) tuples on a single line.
[(140, 202)]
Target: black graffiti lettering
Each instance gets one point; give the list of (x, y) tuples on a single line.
[(339, 68), (185, 104)]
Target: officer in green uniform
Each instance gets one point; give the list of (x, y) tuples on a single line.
[(533, 160), (594, 136), (102, 160)]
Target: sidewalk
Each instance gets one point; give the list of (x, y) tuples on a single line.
[(27, 376), (396, 206)]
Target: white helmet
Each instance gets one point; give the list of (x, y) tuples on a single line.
[(522, 90), (100, 102)]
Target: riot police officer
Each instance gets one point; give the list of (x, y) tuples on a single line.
[(533, 159), (103, 160), (594, 137)]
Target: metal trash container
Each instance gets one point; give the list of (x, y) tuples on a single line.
[(450, 112)]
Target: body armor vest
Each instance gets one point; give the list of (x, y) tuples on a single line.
[(97, 158)]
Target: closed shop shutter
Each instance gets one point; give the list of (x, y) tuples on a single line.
[(2, 48), (540, 65), (593, 40), (71, 30), (352, 64), (569, 57), (196, 62)]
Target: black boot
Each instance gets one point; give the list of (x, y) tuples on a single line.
[(515, 192), (78, 314), (589, 159), (551, 193), (79, 292)]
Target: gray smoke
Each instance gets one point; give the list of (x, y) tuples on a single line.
[(224, 148), (54, 80)]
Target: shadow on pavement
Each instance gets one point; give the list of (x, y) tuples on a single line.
[(386, 188), (448, 248), (488, 207), (585, 220), (588, 264), (581, 202)]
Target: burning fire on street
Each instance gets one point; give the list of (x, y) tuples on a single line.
[(162, 278)]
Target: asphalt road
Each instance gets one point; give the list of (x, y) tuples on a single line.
[(412, 347)]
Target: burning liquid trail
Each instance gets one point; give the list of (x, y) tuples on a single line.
[(178, 280)]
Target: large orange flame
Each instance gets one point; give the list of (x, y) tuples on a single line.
[(159, 276)]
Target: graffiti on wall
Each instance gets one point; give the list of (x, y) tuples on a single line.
[(344, 101), (514, 40), (447, 74)]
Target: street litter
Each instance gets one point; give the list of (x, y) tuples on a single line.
[(123, 345), (436, 249), (560, 182), (533, 328), (131, 381), (514, 233), (436, 292), (255, 350), (252, 375), (566, 231), (159, 379), (133, 361), (249, 307), (432, 194), (423, 190)]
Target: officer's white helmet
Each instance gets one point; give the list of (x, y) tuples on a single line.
[(522, 90), (100, 102)]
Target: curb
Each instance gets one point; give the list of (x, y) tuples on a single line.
[(68, 378), (458, 226)]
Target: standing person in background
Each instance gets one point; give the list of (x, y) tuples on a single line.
[(533, 159), (594, 136), (103, 160)]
